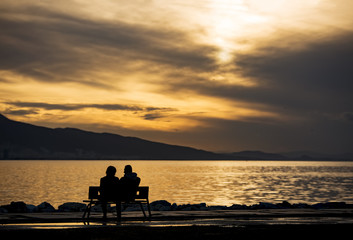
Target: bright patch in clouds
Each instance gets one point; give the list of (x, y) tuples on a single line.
[(234, 72)]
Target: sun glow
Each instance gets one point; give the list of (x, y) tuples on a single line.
[(228, 22), (176, 64)]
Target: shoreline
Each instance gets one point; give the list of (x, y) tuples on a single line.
[(211, 160), (211, 217), (182, 232), (176, 225), (163, 205)]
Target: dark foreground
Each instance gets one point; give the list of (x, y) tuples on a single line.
[(182, 225), (182, 233)]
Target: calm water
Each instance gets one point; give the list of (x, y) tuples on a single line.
[(212, 182)]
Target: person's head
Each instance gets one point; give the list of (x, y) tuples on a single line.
[(128, 169), (111, 171)]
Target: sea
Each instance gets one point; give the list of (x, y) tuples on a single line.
[(182, 182)]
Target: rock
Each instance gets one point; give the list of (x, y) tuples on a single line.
[(3, 210), (329, 205), (190, 207), (161, 205), (72, 207), (132, 208), (15, 207), (19, 206), (335, 205), (284, 204), (98, 208), (165, 208), (265, 205), (174, 207), (217, 207), (201, 206), (45, 207), (31, 208), (186, 207), (301, 205), (161, 202), (318, 206), (238, 207)]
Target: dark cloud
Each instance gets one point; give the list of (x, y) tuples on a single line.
[(153, 116), (316, 79), (71, 107), (348, 116), (21, 112), (310, 87), (58, 47)]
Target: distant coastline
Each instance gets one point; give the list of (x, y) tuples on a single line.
[(176, 160), (23, 141)]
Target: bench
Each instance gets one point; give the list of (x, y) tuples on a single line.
[(140, 198)]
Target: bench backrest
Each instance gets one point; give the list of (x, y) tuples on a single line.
[(93, 192), (142, 193)]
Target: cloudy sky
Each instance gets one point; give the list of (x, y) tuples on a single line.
[(221, 75)]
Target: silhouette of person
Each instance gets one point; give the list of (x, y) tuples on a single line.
[(129, 183), (108, 188)]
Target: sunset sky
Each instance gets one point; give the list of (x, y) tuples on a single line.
[(220, 75)]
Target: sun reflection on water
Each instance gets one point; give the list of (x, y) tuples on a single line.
[(182, 182)]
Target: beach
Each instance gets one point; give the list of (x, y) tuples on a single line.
[(217, 224), (213, 224), (192, 232)]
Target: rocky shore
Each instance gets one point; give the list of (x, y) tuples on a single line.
[(162, 205), (178, 221)]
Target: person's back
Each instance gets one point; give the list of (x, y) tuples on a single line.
[(108, 188), (129, 183)]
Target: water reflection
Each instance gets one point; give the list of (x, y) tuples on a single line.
[(212, 182)]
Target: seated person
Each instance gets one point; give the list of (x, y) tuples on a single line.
[(129, 183), (108, 188)]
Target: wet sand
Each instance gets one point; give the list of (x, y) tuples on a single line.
[(274, 223), (182, 233)]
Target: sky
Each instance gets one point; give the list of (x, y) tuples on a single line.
[(219, 75)]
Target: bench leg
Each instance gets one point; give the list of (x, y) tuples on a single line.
[(149, 209), (84, 213), (118, 211), (87, 210), (143, 210)]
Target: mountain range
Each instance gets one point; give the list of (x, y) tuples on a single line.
[(26, 141)]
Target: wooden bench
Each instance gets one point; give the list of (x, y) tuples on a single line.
[(140, 198)]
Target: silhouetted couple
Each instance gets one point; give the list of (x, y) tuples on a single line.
[(115, 190)]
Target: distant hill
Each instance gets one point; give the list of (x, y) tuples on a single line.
[(257, 155), (308, 155), (298, 156), (25, 141)]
